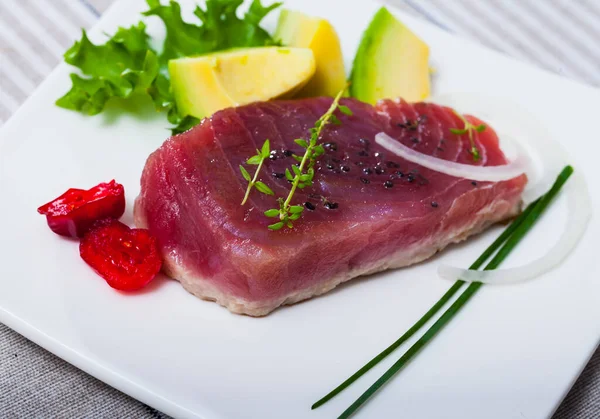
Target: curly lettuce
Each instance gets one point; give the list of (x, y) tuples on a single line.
[(221, 28), (127, 66)]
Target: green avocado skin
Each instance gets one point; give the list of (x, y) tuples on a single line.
[(368, 62)]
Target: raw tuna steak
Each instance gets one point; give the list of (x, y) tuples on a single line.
[(366, 212)]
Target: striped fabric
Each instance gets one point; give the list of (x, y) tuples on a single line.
[(33, 36), (559, 35), (562, 36)]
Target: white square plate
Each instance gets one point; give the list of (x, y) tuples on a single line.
[(512, 353)]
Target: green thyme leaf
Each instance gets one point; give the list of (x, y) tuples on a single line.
[(261, 187), (288, 175), (345, 110), (296, 170), (295, 209), (295, 216), (276, 226), (334, 120), (245, 173), (297, 158), (468, 128), (266, 149), (254, 160), (458, 131), (272, 213), (301, 142)]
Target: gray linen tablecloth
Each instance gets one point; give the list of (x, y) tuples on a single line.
[(560, 35)]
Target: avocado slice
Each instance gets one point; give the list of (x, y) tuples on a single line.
[(296, 29), (391, 62), (205, 84)]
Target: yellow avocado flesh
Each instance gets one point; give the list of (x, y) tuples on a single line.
[(391, 62), (296, 29), (205, 84)]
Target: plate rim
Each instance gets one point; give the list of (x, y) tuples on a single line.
[(112, 377)]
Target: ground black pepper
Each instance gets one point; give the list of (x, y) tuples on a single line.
[(331, 146)]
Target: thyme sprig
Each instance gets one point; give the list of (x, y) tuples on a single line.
[(468, 129), (301, 176), (257, 160)]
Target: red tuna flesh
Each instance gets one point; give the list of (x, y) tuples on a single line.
[(390, 212)]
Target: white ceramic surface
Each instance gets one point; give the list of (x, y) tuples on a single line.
[(512, 353)]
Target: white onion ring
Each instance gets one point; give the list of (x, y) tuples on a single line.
[(580, 212), (511, 121), (552, 157), (467, 171)]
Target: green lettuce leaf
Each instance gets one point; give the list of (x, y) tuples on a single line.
[(186, 123), (123, 66), (220, 27), (127, 66)]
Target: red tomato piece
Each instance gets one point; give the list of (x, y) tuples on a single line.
[(74, 212), (128, 259)]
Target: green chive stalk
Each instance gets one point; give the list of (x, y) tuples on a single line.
[(517, 235), (431, 312)]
